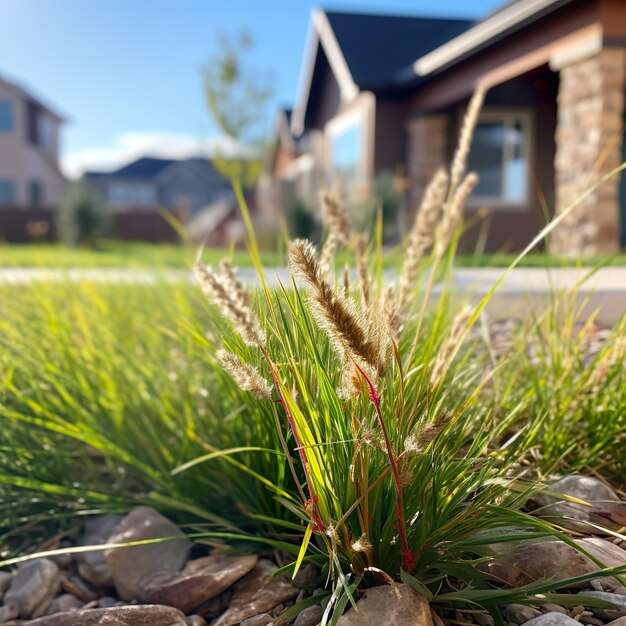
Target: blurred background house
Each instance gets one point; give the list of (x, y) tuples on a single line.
[(191, 190), (387, 94), (31, 181)]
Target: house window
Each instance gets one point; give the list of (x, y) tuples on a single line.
[(7, 192), (46, 132), (131, 194), (345, 140), (500, 156), (6, 116), (35, 192)]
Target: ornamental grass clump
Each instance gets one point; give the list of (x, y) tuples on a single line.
[(399, 472)]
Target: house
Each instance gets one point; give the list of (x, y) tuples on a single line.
[(30, 175), (379, 92), (191, 189), (183, 187)]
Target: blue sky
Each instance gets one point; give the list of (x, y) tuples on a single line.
[(127, 72)]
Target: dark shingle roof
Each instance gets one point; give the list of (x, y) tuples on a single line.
[(378, 47), (146, 167)]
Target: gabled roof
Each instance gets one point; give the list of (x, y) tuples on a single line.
[(377, 47), (145, 167), (367, 51), (29, 94)]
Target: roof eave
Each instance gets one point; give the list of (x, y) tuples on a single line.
[(483, 34), (321, 33)]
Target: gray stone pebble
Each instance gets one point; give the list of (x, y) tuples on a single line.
[(311, 616)]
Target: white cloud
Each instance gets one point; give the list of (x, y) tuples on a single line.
[(129, 146)]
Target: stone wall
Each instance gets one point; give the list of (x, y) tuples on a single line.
[(426, 152), (588, 144)]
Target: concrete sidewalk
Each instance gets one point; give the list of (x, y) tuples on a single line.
[(524, 289)]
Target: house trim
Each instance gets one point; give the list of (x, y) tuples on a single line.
[(484, 33), (362, 110), (321, 33)]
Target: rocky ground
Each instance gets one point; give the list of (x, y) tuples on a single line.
[(169, 584)]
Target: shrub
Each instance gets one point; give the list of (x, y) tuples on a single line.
[(82, 216)]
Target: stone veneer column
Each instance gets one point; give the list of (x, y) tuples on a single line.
[(426, 152), (588, 144)]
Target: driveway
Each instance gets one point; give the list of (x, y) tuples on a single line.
[(523, 289)]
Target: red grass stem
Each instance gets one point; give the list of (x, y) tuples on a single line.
[(408, 558)]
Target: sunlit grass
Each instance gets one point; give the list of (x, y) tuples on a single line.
[(115, 254)]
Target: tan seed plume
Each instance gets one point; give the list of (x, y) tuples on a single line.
[(451, 346), (232, 300), (364, 280), (334, 313), (335, 217), (453, 213), (329, 250), (459, 162), (422, 233), (246, 376)]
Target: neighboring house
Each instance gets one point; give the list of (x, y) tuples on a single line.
[(182, 187), (381, 92), (190, 189), (30, 176)]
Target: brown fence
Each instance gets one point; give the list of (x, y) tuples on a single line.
[(31, 225)]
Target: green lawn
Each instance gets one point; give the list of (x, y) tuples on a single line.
[(111, 254)]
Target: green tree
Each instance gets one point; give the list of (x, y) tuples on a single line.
[(82, 215), (237, 97)]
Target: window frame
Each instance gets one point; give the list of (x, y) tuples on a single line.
[(13, 184), (36, 184), (12, 120), (353, 119), (507, 117), (360, 111)]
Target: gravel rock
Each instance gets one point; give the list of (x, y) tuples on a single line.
[(306, 576), (5, 582), (116, 616), (257, 620), (548, 607), (258, 592), (311, 616), (196, 620), (388, 605), (519, 613), (66, 602), (92, 565), (617, 601), (528, 561), (603, 500), (620, 621), (200, 581), (130, 566), (552, 619), (77, 587), (33, 588), (107, 602)]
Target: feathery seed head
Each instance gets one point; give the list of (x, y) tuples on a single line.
[(451, 345), (246, 376), (453, 213), (223, 289), (459, 162), (422, 234), (347, 328), (335, 217)]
